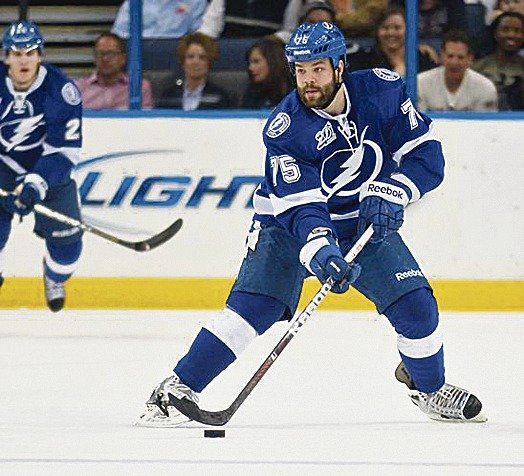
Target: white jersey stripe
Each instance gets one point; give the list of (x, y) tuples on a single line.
[(280, 205), (12, 164), (72, 153), (409, 146)]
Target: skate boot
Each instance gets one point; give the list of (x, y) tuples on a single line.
[(54, 294), (159, 412), (450, 403)]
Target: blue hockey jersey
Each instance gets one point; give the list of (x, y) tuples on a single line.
[(41, 128), (317, 163)]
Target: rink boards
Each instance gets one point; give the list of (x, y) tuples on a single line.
[(138, 174)]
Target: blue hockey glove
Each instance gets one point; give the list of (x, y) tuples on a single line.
[(322, 257), (11, 205), (382, 206), (34, 190)]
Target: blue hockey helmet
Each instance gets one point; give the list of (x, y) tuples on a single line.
[(314, 41), (22, 35)]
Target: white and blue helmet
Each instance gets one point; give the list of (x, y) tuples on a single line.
[(314, 41), (22, 35)]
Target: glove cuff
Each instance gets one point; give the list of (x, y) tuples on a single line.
[(385, 190), (310, 249), (38, 183)]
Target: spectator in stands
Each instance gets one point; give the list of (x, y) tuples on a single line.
[(269, 77), (507, 6), (505, 67), (359, 17), (250, 18), (454, 86), (162, 18), (438, 16), (108, 86), (196, 53), (389, 50), (314, 11)]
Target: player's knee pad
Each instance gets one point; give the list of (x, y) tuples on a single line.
[(260, 311), (61, 258), (414, 315)]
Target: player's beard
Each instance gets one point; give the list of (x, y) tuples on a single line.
[(326, 94)]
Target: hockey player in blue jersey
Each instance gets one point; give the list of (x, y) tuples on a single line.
[(344, 151), (40, 140)]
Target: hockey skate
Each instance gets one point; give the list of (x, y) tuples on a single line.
[(450, 403), (159, 413), (54, 294)]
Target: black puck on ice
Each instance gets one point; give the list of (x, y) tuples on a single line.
[(214, 433)]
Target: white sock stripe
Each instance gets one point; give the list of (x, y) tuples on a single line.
[(59, 268), (232, 329), (420, 348)]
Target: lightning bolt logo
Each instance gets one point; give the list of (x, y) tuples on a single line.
[(351, 168), (22, 131)]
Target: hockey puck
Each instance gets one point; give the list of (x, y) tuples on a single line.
[(214, 433)]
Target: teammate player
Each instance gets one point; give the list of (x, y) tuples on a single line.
[(40, 140), (343, 151)]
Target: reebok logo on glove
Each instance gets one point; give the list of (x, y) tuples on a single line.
[(376, 189), (386, 191)]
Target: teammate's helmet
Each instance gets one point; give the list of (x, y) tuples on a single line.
[(22, 35), (313, 41)]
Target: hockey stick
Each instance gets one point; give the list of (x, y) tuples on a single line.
[(144, 245), (221, 417)]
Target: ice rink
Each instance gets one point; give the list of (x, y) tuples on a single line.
[(74, 383)]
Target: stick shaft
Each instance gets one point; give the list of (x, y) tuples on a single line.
[(296, 323), (221, 417)]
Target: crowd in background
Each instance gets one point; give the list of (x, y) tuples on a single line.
[(462, 65)]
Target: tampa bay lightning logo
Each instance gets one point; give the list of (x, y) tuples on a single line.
[(343, 175), (20, 135), (386, 74), (278, 125)]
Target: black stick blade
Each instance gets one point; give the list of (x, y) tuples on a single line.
[(193, 411), (161, 238)]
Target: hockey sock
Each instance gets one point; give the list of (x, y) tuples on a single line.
[(419, 340), (226, 336), (207, 357), (61, 260)]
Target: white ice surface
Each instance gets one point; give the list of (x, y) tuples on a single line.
[(73, 384)]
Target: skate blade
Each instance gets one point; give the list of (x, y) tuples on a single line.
[(153, 417), (480, 418)]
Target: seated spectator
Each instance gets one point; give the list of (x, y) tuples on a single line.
[(108, 86), (454, 86), (196, 53), (358, 17), (162, 18), (438, 16), (389, 50), (250, 18), (269, 77), (505, 67)]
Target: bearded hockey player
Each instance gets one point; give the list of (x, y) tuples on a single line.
[(344, 151)]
